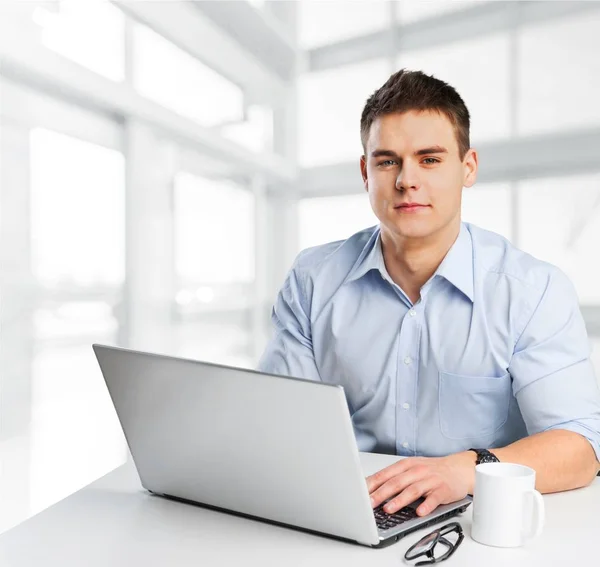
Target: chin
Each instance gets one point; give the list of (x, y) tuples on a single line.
[(413, 229)]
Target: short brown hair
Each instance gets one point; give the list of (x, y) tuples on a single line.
[(414, 90)]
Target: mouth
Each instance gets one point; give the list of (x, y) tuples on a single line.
[(410, 207)]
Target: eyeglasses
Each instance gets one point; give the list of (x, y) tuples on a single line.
[(426, 545)]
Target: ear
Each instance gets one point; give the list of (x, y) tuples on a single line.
[(470, 164), (363, 172)]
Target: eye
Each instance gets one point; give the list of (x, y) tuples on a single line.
[(430, 161), (387, 162)]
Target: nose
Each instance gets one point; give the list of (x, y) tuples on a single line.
[(407, 177)]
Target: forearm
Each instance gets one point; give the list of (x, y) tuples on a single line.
[(563, 460)]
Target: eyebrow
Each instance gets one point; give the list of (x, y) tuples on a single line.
[(422, 152)]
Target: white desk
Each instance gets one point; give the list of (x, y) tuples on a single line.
[(114, 522)]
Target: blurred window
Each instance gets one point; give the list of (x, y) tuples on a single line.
[(321, 22), (329, 107), (90, 32), (559, 74), (214, 243), (411, 10), (488, 205), (327, 219), (173, 78), (483, 83), (564, 230)]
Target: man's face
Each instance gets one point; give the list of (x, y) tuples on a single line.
[(413, 173)]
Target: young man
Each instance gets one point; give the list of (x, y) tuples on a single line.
[(445, 337)]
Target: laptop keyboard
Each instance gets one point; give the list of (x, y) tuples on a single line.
[(386, 521)]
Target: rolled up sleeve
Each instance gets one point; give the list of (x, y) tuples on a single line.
[(553, 378), (290, 350)]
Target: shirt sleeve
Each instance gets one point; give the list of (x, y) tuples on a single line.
[(290, 350), (553, 377)]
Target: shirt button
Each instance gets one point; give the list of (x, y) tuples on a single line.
[(407, 360), (405, 406), (412, 312), (405, 445)]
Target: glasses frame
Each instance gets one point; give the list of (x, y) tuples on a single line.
[(439, 533)]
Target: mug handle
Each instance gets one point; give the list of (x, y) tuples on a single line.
[(538, 514)]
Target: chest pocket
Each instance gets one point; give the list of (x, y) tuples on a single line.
[(471, 407)]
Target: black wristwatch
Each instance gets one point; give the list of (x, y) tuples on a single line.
[(484, 456)]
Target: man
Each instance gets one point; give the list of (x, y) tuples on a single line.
[(445, 337)]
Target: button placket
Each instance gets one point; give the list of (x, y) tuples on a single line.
[(405, 379)]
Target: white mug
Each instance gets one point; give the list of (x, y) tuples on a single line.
[(507, 509)]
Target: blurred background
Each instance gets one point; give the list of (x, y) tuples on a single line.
[(162, 163)]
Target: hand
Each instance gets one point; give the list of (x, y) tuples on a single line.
[(441, 480)]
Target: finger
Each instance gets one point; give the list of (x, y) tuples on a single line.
[(381, 477), (397, 484), (433, 500), (410, 494), (376, 480)]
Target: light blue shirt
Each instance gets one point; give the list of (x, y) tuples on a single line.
[(494, 350)]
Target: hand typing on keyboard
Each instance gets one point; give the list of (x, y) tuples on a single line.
[(439, 480), (386, 521)]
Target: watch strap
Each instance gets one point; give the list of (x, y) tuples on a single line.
[(485, 456)]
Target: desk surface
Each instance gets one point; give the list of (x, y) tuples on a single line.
[(115, 522)]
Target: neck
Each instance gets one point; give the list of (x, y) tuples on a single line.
[(410, 262)]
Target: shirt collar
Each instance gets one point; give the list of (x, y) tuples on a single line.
[(370, 258), (456, 267)]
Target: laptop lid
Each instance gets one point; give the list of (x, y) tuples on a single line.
[(276, 448)]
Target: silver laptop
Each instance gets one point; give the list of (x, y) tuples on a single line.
[(272, 448)]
